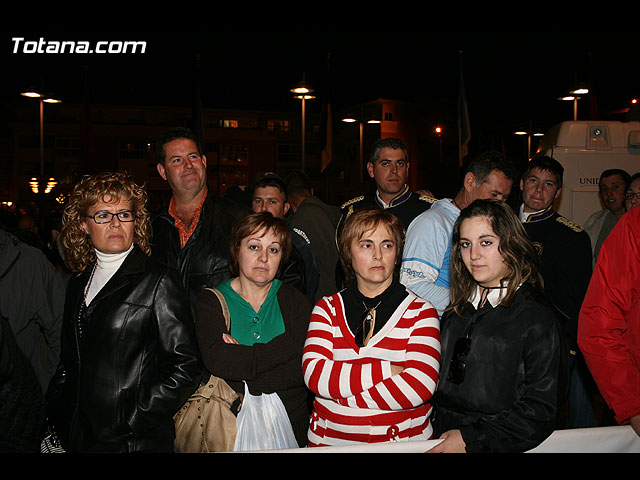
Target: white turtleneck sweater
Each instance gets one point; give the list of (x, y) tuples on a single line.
[(107, 264)]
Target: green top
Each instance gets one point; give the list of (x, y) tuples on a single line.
[(247, 326)]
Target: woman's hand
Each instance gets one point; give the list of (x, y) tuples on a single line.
[(452, 443), (229, 339)]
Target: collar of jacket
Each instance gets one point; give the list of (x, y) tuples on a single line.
[(402, 197), (134, 265), (205, 218), (164, 211), (543, 215)]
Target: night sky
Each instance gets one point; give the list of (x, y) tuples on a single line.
[(512, 76)]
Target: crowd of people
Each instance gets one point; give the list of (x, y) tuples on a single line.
[(396, 317)]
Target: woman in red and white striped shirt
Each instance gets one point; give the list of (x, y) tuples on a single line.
[(372, 353)]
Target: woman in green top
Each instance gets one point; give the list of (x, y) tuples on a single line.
[(269, 320)]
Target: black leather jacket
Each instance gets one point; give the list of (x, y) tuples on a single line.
[(204, 260), (136, 363)]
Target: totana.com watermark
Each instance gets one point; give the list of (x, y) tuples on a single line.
[(20, 45)]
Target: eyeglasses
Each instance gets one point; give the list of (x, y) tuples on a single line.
[(458, 363), (106, 217), (631, 195), (365, 329)]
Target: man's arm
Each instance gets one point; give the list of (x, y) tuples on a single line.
[(606, 323), (424, 268)]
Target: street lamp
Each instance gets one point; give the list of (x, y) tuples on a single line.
[(353, 119), (33, 93), (35, 185), (303, 92), (580, 91), (529, 134), (575, 96)]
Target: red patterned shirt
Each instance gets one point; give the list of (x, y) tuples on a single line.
[(185, 233), (358, 399)]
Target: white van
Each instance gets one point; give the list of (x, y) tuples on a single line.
[(586, 149)]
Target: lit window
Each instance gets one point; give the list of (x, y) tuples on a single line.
[(278, 125)]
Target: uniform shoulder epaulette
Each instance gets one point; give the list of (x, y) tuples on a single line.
[(352, 201), (427, 197), (572, 225)]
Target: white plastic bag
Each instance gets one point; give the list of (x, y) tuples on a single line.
[(263, 424)]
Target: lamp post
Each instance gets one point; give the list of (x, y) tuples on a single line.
[(42, 98), (303, 92), (575, 96), (361, 122), (529, 133)]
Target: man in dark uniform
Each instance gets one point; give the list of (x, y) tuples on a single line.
[(389, 167), (565, 265)]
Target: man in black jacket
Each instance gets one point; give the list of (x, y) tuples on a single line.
[(300, 271), (565, 265), (192, 234)]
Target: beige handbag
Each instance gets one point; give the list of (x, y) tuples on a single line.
[(207, 422)]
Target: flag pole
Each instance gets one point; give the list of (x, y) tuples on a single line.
[(464, 132)]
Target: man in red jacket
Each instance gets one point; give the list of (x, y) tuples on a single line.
[(609, 323)]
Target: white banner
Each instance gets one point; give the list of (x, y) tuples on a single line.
[(619, 439)]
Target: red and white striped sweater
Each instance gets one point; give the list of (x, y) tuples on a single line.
[(358, 400)]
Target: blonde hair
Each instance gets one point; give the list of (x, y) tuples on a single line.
[(360, 222), (108, 187)]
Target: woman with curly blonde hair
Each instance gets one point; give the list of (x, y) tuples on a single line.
[(79, 251), (129, 355)]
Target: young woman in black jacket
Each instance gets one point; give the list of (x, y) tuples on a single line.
[(503, 364)]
